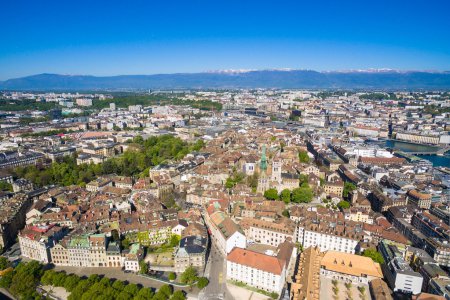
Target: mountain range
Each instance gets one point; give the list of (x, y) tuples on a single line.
[(288, 79)]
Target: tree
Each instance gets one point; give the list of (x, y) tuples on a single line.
[(145, 294), (71, 282), (131, 289), (303, 156), (286, 213), (303, 179), (286, 196), (6, 279), (126, 243), (189, 276), (343, 204), (4, 263), (374, 255), (143, 266), (166, 290), (6, 186), (252, 180), (174, 240), (178, 295), (348, 187), (202, 282), (172, 276), (271, 194), (302, 195), (118, 285)]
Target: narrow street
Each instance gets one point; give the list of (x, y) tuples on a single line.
[(216, 272)]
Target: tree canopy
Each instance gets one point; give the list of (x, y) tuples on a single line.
[(343, 204), (374, 255), (142, 155), (303, 156), (189, 276), (303, 194), (271, 194)]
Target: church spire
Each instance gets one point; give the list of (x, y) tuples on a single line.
[(263, 163)]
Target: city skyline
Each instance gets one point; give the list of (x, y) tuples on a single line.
[(179, 37)]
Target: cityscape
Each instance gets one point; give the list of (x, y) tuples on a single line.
[(238, 150)]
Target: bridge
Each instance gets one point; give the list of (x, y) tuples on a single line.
[(440, 152)]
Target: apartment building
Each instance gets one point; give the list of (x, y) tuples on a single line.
[(36, 241), (262, 271), (13, 217), (330, 235), (132, 257), (267, 232), (399, 275), (223, 230), (421, 200)]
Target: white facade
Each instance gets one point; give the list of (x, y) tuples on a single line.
[(326, 241), (237, 239), (267, 237), (408, 283), (257, 278), (36, 250), (131, 265)]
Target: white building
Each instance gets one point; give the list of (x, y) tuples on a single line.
[(327, 240), (262, 271), (35, 242)]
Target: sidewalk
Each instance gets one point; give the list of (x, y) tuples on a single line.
[(244, 294)]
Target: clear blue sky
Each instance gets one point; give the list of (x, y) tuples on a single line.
[(147, 37)]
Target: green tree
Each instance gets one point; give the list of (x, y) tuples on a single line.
[(126, 243), (71, 282), (6, 186), (302, 195), (202, 282), (6, 280), (178, 295), (348, 187), (303, 156), (343, 204), (166, 290), (252, 180), (285, 195), (145, 294), (374, 255), (189, 276), (4, 263), (143, 267), (131, 289), (286, 213), (271, 194), (172, 276), (174, 240), (118, 285)]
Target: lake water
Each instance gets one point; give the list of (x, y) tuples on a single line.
[(438, 161)]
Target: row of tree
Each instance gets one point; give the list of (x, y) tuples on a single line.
[(141, 156), (303, 194), (148, 100)]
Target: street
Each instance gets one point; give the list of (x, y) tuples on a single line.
[(216, 272)]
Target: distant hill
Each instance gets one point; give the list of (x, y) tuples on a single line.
[(375, 79)]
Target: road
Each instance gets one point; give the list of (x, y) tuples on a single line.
[(216, 272)]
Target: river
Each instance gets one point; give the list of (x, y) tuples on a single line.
[(438, 161)]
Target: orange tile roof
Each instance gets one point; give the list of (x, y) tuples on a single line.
[(256, 260)]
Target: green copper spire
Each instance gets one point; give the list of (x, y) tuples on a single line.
[(263, 164)]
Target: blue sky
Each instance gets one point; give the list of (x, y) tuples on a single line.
[(147, 37)]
